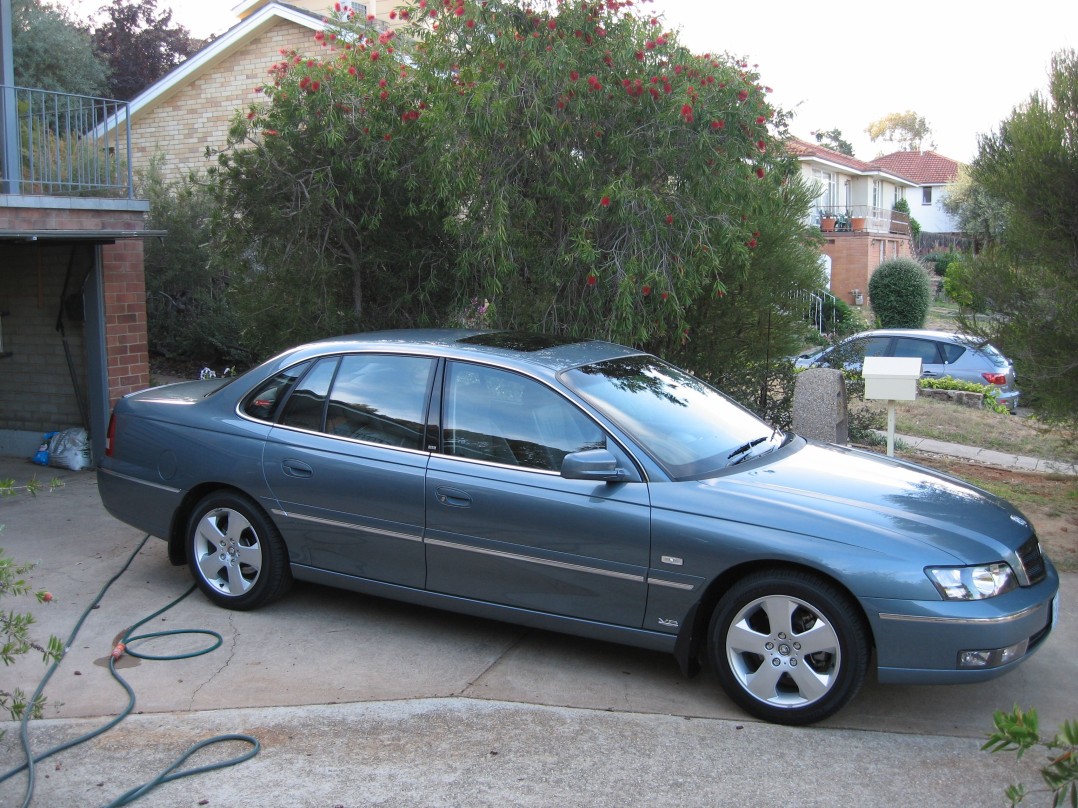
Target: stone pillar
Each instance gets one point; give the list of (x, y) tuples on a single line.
[(820, 407)]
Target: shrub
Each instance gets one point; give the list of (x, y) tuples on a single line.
[(989, 391), (899, 293)]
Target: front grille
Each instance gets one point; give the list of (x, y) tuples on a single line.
[(1032, 560)]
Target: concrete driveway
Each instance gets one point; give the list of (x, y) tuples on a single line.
[(360, 701)]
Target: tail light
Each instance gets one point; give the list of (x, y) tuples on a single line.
[(110, 436), (995, 378)]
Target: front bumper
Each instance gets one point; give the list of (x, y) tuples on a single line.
[(923, 642)]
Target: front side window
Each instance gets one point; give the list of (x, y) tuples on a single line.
[(684, 424), (503, 417)]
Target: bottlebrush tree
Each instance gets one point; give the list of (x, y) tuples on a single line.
[(572, 163)]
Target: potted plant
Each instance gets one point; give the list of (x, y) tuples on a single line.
[(827, 221)]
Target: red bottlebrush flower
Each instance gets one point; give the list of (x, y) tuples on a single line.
[(387, 137), (470, 24), (250, 115), (639, 56), (645, 290), (756, 234), (761, 145), (649, 45), (382, 82), (592, 280), (720, 124), (552, 25), (760, 172), (667, 88), (270, 132), (336, 6), (666, 295), (374, 56), (605, 201), (686, 109), (384, 95), (352, 71), (459, 11), (742, 95), (304, 82), (404, 14), (654, 92), (573, 75), (314, 86), (46, 597), (760, 119), (393, 15), (319, 35), (669, 218), (751, 243)]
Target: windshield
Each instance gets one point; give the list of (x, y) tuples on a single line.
[(685, 425)]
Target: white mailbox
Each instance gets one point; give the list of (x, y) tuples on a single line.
[(893, 378)]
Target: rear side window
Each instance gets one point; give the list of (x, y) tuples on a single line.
[(951, 352), (305, 406), (265, 402), (380, 399), (924, 349)]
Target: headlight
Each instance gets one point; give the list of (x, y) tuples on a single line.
[(972, 583)]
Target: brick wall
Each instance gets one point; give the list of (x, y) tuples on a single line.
[(855, 256), (178, 128)]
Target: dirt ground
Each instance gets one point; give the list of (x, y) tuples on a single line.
[(1050, 501)]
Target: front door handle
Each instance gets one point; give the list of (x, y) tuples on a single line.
[(296, 468)]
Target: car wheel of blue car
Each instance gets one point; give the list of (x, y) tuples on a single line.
[(236, 553), (788, 646)]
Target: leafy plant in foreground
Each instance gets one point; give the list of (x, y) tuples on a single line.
[(1018, 732)]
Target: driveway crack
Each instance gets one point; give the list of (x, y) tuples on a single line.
[(222, 667)]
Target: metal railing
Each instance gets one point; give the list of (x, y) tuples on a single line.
[(57, 144), (861, 219), (820, 309)]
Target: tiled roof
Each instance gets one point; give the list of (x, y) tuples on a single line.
[(924, 168), (802, 149)]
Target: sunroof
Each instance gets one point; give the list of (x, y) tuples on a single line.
[(519, 340)]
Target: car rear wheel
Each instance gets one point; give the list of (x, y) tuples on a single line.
[(789, 647), (236, 553)]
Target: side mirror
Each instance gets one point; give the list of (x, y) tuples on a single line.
[(592, 464)]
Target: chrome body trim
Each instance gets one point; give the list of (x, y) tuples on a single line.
[(627, 576), (393, 534)]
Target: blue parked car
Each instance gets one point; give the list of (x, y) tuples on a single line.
[(588, 488)]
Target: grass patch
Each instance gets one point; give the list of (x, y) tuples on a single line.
[(939, 420)]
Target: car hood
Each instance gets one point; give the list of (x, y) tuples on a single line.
[(862, 499)]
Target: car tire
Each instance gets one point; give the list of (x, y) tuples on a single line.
[(788, 646), (236, 553)]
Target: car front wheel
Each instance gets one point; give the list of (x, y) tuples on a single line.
[(236, 553), (788, 646)]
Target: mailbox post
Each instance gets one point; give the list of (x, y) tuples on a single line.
[(891, 378)]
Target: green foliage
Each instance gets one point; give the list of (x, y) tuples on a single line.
[(899, 293), (1021, 290), (989, 391), (51, 51), (906, 129), (187, 310), (980, 215), (1019, 732), (940, 261), (15, 639), (903, 206), (580, 170)]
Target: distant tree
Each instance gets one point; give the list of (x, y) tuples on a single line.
[(54, 52), (832, 139), (980, 215), (140, 45), (905, 129), (1021, 291)]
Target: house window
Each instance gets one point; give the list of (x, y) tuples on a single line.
[(828, 188), (360, 9), (926, 195), (877, 193)]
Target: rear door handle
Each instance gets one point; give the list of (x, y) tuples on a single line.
[(296, 468), (453, 497)]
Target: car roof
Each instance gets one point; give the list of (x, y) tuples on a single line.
[(946, 336), (514, 348)]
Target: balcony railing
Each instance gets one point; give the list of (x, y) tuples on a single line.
[(56, 144), (861, 219)]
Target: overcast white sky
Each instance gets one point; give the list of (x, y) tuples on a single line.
[(963, 65)]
